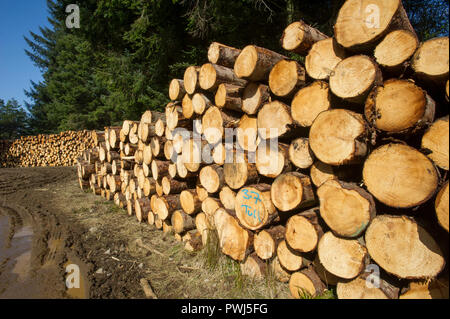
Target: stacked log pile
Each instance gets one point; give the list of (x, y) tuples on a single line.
[(61, 149), (336, 174)]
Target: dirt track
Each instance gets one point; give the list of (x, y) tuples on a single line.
[(47, 222)]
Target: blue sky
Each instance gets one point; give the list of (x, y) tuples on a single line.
[(17, 19)]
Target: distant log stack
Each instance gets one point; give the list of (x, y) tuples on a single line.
[(317, 172), (46, 150)]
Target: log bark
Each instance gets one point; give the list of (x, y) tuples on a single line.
[(160, 169), (142, 208), (436, 289), (222, 54), (173, 186)]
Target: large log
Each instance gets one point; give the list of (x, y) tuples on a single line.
[(360, 26), (229, 96), (300, 153), (353, 78), (396, 49), (441, 206), (289, 259), (303, 231), (182, 222), (212, 75), (309, 102), (275, 121), (254, 97), (306, 283), (346, 208), (166, 205), (191, 83), (176, 90), (400, 176), (323, 58), (414, 109), (286, 78), (338, 137), (190, 203), (247, 133), (214, 123), (212, 178), (254, 63), (254, 208), (272, 160), (239, 172), (300, 37), (254, 268), (267, 240), (403, 248), (436, 140), (227, 198), (222, 54), (430, 62), (235, 241), (292, 191), (345, 258)]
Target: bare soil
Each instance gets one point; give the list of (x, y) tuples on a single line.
[(47, 223)]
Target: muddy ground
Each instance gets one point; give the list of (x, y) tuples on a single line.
[(48, 223)]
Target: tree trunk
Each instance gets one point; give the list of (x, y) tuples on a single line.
[(306, 282), (430, 61), (182, 222), (201, 103), (239, 172), (360, 29), (272, 161), (254, 268), (227, 198), (191, 83), (247, 133), (176, 90), (229, 96), (303, 231), (214, 123), (166, 205), (436, 139), (441, 206), (254, 97), (300, 153), (275, 121), (212, 178), (173, 186)]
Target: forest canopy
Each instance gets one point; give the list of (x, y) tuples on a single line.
[(121, 59)]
